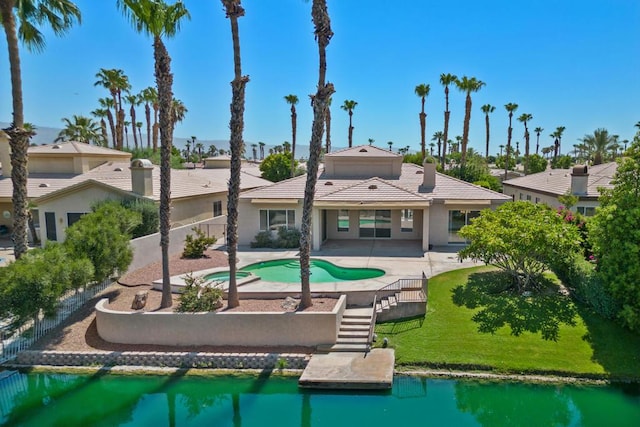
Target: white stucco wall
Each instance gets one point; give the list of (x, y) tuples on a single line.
[(249, 218)]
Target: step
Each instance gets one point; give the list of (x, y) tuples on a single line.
[(351, 322), (354, 327), (393, 301), (378, 307), (349, 348), (354, 334), (358, 312), (357, 340)]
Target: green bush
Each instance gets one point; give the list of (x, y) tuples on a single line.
[(199, 296), (194, 247), (288, 238), (263, 240), (148, 212)]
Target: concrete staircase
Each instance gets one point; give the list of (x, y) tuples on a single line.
[(353, 335), (387, 303)]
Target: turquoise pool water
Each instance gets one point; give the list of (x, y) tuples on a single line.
[(224, 275), (110, 400), (288, 271)]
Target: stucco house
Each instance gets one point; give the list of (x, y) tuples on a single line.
[(366, 192), (546, 187), (66, 179)]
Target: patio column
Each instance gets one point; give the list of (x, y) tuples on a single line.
[(425, 229), (316, 232)]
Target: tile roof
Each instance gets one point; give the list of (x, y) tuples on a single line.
[(558, 181), (73, 147), (363, 151)]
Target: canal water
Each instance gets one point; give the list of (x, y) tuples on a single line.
[(175, 400)]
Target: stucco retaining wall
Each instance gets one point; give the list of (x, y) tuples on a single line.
[(224, 328), (165, 359)]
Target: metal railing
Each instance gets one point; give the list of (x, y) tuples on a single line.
[(372, 325), (408, 289), (14, 340)]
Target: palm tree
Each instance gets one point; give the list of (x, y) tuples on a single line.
[(178, 111), (422, 90), (446, 80), (327, 125), (126, 131), (116, 82), (431, 147), (234, 10), (80, 129), (524, 118), (538, 131), (292, 100), (158, 19), (320, 104), (559, 132), (254, 149), (199, 147), (150, 97), (139, 127), (261, 145), (438, 136), (101, 113), (467, 85), (349, 105), (510, 107), (390, 144), (371, 141), (107, 105), (501, 147), (486, 109), (134, 101), (286, 145), (599, 144), (60, 15)]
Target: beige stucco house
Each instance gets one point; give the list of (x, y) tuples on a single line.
[(66, 179), (546, 187), (366, 192)]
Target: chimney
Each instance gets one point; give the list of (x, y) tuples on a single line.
[(5, 154), (141, 177), (579, 180), (429, 173)]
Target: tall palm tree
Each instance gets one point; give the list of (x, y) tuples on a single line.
[(134, 101), (349, 105), (327, 125), (438, 136), (431, 147), (150, 97), (538, 131), (116, 82), (178, 110), (422, 90), (20, 21), (160, 20), (234, 10), (80, 129), (254, 149), (524, 118), (139, 128), (511, 108), (126, 131), (261, 145), (107, 105), (101, 113), (486, 109), (446, 80), (599, 144), (292, 100), (501, 148), (467, 85), (390, 143), (320, 104), (559, 131)]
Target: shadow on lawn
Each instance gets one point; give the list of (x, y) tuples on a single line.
[(500, 306), (396, 327)]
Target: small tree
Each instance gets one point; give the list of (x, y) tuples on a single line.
[(194, 247), (103, 237), (148, 213), (199, 296), (537, 163), (520, 238), (277, 167)]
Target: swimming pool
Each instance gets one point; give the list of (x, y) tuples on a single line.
[(223, 276), (288, 271)]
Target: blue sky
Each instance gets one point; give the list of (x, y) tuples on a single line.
[(568, 63)]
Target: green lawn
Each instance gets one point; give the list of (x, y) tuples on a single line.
[(449, 335)]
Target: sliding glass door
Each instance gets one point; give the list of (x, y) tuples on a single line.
[(375, 223)]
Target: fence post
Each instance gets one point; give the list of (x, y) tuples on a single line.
[(425, 287)]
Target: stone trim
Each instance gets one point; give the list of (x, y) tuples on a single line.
[(164, 359)]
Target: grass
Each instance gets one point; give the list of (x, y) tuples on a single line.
[(471, 325)]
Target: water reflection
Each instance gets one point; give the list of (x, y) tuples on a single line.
[(175, 400)]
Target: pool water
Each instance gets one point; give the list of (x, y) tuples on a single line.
[(110, 400), (223, 276), (288, 271)]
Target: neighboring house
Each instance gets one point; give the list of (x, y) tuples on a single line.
[(66, 179), (581, 181), (366, 192)]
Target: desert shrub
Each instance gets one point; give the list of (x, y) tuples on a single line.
[(263, 240), (199, 296), (194, 247), (288, 238), (149, 214)]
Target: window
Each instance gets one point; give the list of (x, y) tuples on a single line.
[(586, 211), (457, 220), (50, 223), (537, 199), (406, 221), (273, 219), (375, 223), (521, 196), (217, 208), (528, 197), (72, 218), (343, 220)]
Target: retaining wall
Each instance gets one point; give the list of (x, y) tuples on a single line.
[(246, 329)]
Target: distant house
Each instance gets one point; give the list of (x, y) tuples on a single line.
[(66, 179), (546, 187), (365, 193)]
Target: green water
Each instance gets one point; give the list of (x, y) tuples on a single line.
[(109, 400), (288, 271), (224, 275)]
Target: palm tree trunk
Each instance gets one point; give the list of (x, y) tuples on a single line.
[(465, 131), (294, 117), (423, 129), (155, 128), (103, 130), (112, 127), (508, 150), (526, 149), (350, 129), (18, 136), (327, 125), (132, 113), (486, 123), (147, 113), (236, 124), (164, 81), (319, 102), (445, 137)]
